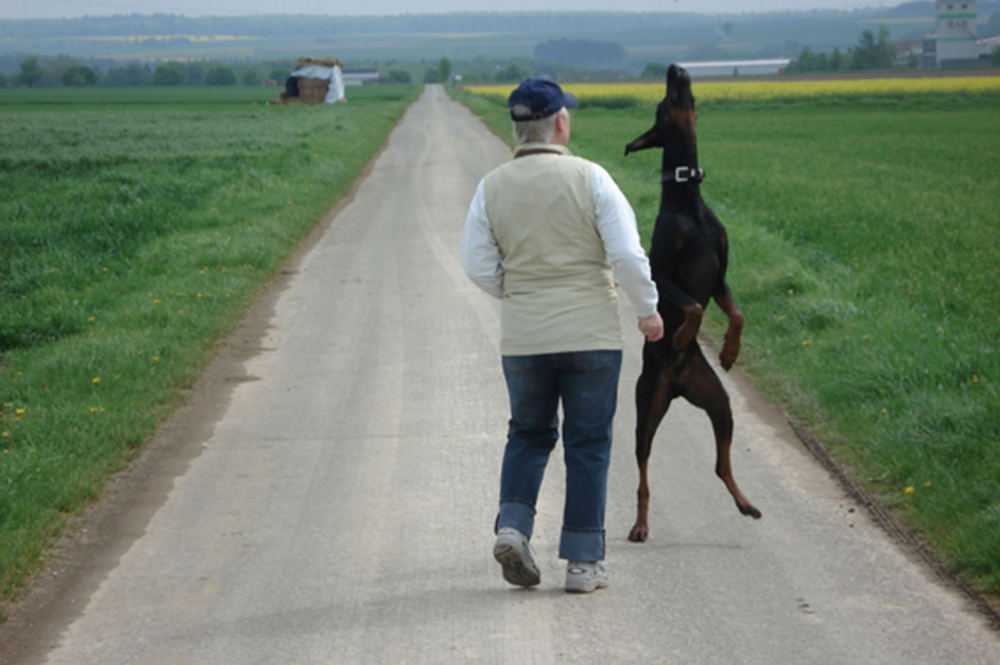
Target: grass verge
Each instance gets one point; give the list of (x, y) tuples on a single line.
[(133, 235), (863, 251)]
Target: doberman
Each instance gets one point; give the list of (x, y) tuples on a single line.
[(688, 257)]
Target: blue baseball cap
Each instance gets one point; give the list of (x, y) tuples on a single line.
[(537, 98)]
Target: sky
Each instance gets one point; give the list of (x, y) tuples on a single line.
[(10, 9)]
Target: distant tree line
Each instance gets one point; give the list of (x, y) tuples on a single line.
[(64, 70), (871, 52)]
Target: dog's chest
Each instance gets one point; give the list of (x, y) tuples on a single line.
[(690, 250)]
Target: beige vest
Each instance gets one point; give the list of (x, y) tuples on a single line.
[(558, 290)]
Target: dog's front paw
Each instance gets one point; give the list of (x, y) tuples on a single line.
[(730, 351), (727, 358)]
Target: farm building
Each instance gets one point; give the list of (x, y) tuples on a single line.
[(360, 76), (315, 81), (736, 67), (954, 37)]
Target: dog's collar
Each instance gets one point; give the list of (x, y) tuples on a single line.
[(683, 174)]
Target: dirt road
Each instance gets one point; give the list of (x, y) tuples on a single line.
[(327, 496)]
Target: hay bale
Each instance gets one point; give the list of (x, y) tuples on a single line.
[(324, 62), (313, 91)]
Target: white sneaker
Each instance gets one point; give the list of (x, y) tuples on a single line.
[(585, 576), (512, 552)]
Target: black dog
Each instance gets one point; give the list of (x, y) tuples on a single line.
[(688, 258)]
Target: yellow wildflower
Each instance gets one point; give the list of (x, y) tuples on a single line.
[(908, 490)]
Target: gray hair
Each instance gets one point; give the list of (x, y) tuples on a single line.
[(537, 131)]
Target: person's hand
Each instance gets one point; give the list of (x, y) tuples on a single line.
[(652, 327)]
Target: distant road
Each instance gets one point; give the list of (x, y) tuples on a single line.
[(327, 495)]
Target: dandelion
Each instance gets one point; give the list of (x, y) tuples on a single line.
[(91, 319), (884, 411), (6, 435), (96, 380), (20, 412), (105, 269), (806, 342), (908, 490), (156, 359), (157, 301), (927, 483), (975, 378)]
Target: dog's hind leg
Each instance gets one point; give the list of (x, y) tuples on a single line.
[(652, 399), (703, 389)]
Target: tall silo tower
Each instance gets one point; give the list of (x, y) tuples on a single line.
[(956, 30)]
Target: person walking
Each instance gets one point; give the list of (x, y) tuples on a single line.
[(548, 233)]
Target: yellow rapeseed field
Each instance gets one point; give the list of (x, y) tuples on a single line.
[(762, 90)]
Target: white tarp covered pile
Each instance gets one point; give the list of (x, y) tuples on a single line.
[(334, 76), (314, 81)]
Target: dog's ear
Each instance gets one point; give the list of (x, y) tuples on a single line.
[(650, 139)]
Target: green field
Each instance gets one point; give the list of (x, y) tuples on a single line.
[(208, 97), (864, 244), (134, 231)]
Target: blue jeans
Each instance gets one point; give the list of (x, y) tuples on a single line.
[(587, 384)]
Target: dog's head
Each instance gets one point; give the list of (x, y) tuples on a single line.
[(676, 120)]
